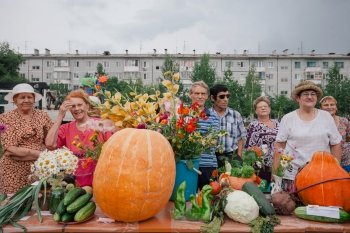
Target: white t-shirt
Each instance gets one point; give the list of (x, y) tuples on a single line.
[(304, 138)]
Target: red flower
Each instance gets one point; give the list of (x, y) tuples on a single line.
[(195, 106), (191, 126), (203, 115), (183, 110), (180, 122)]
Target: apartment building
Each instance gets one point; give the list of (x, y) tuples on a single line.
[(278, 73)]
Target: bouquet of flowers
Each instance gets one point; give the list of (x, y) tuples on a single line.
[(54, 165), (282, 161)]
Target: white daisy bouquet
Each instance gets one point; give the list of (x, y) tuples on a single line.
[(285, 158), (54, 165)]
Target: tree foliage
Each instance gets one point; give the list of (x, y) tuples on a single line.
[(338, 87), (99, 70), (281, 105), (9, 65), (252, 90), (204, 71)]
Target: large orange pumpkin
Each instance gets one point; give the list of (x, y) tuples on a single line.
[(323, 182), (135, 175)]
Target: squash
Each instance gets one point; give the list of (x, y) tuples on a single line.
[(135, 175), (324, 182), (238, 182)]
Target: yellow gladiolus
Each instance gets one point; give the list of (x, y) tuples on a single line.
[(176, 77)]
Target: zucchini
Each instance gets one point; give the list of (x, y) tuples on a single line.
[(300, 212), (67, 217), (72, 195), (61, 208), (79, 203), (265, 206), (57, 217), (86, 212)]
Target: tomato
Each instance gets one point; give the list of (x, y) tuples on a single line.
[(216, 187)]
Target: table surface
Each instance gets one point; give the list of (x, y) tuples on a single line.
[(162, 222)]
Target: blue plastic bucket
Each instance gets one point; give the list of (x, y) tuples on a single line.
[(191, 177)]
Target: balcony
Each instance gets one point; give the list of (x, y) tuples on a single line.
[(131, 69), (61, 69)]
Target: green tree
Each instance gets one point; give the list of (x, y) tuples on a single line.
[(9, 65), (236, 91), (252, 90), (281, 105), (204, 71), (338, 87), (99, 70)]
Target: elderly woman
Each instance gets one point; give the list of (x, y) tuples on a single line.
[(329, 104), (24, 138), (77, 135), (262, 133), (305, 131)]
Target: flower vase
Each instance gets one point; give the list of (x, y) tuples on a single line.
[(56, 197), (85, 172), (276, 184), (183, 173), (44, 199)]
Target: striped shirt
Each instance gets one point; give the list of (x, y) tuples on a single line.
[(232, 123), (208, 158)]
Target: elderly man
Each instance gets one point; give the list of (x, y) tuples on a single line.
[(199, 92)]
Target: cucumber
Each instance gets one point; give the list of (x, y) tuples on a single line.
[(3, 197), (300, 212), (61, 208), (79, 203), (57, 217), (67, 217), (86, 212), (265, 206), (72, 195)]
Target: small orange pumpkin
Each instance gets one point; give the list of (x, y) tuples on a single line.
[(324, 182), (135, 175), (238, 182)]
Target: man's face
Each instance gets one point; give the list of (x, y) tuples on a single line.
[(199, 94), (221, 100)]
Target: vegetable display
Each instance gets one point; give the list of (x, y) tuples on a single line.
[(135, 175), (324, 182)]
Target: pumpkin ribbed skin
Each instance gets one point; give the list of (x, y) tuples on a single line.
[(323, 166), (135, 175)]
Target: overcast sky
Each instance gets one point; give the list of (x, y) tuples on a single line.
[(226, 26)]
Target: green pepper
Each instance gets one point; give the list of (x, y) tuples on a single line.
[(206, 203), (179, 202), (195, 213)]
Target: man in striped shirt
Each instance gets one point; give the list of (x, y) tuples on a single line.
[(199, 92), (231, 121)]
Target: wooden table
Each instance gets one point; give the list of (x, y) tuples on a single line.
[(162, 222)]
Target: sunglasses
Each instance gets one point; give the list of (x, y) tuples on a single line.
[(223, 96)]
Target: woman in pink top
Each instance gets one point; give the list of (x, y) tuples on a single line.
[(80, 130)]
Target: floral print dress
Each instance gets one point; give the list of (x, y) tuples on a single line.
[(344, 130), (259, 134), (21, 133)]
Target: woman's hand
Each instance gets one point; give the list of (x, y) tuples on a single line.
[(65, 106)]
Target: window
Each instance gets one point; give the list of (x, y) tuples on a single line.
[(270, 88), (35, 67), (77, 64), (117, 64), (144, 64), (89, 63), (339, 64), (297, 65), (144, 76), (48, 75), (311, 64), (284, 67), (325, 65), (48, 63), (284, 92), (75, 75), (269, 76), (240, 64), (22, 75), (157, 67), (284, 80), (297, 76), (258, 63), (270, 64), (228, 64), (105, 64), (131, 62)]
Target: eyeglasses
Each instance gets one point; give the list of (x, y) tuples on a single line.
[(223, 96), (305, 94)]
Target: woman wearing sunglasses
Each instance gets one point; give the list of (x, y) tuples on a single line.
[(262, 133)]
